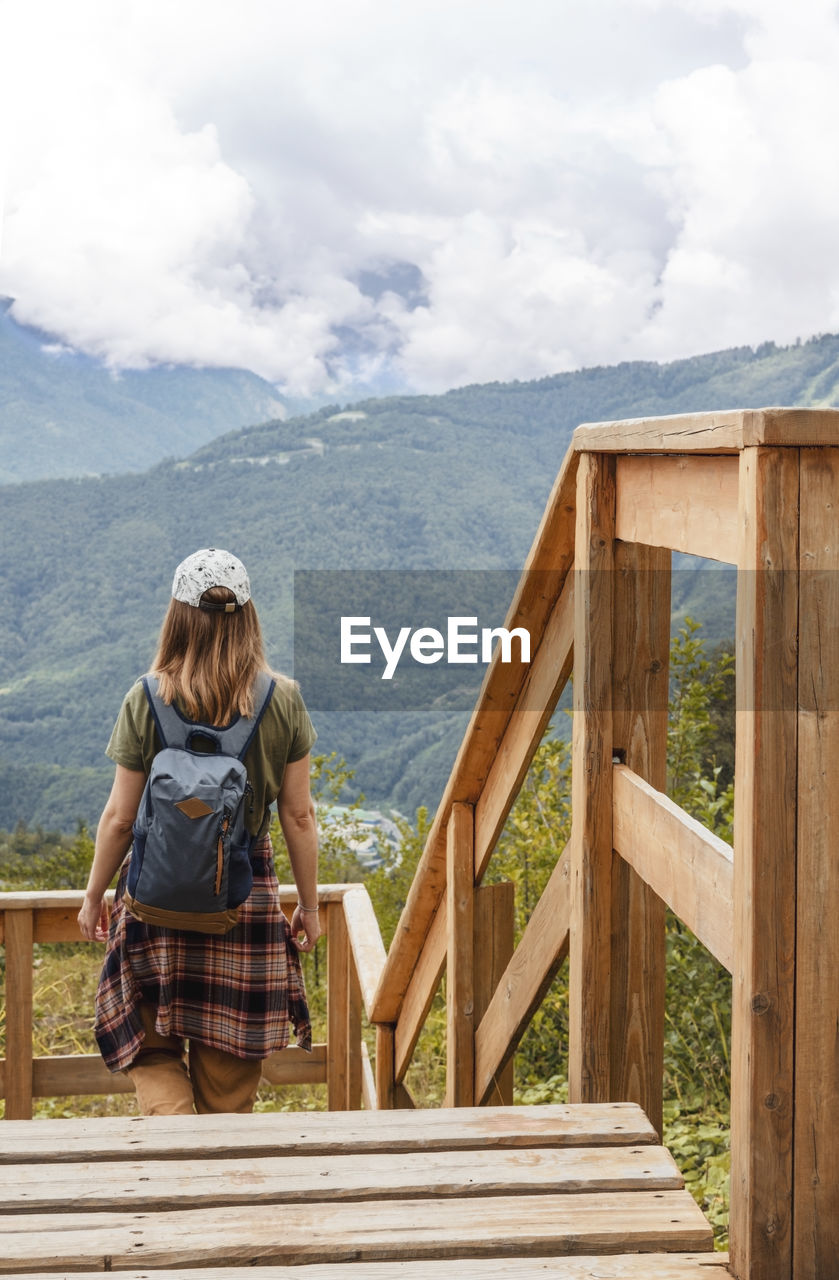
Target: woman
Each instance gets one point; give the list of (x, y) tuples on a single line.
[(232, 996)]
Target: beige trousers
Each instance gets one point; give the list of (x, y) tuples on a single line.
[(211, 1081)]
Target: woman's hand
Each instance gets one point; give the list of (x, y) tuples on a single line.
[(305, 928), (93, 920)]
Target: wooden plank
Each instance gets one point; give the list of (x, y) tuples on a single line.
[(187, 1184), (764, 867), (591, 792), (460, 934), (215, 1137), (640, 691), (421, 990), (72, 899), (539, 587), (816, 1165), (690, 868), (540, 693), (368, 950), (687, 503), (494, 944), (522, 987), (368, 1081), (294, 1066), (337, 1010), (18, 1015), (625, 1266), (430, 1229), (728, 431)]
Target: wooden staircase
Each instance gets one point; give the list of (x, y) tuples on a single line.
[(558, 1191)]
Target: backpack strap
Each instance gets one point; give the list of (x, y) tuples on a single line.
[(175, 730)]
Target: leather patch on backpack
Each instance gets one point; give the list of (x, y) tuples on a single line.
[(194, 807)]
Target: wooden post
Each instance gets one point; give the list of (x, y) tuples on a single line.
[(338, 961), (385, 1034), (641, 647), (460, 1001), (19, 1015), (493, 950), (764, 867), (354, 1063), (816, 1181), (589, 1066)]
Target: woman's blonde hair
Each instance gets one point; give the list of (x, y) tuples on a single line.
[(207, 660)]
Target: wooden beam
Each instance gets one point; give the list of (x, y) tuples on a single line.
[(19, 1015), (460, 933), (816, 1165), (591, 803), (355, 1065), (368, 950), (688, 867), (728, 431), (337, 1010), (545, 571), (764, 867), (640, 687), (494, 941), (685, 503), (421, 991), (522, 986), (540, 693)]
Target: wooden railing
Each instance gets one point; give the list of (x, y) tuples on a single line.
[(355, 957), (759, 490)]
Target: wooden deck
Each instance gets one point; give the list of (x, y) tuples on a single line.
[(579, 1191)]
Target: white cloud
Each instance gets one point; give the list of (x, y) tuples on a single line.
[(577, 184)]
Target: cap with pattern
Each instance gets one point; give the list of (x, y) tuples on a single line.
[(210, 568)]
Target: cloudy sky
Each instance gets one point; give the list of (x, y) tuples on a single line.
[(346, 194)]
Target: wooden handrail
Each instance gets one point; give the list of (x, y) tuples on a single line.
[(33, 916)]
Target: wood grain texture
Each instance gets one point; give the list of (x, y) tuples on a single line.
[(188, 1184), (586, 1222), (338, 1033), (589, 1061), (764, 867), (633, 1266), (728, 431), (540, 693), (640, 689), (683, 503), (689, 868), (216, 1137), (494, 941), (421, 990), (545, 571), (522, 987), (18, 1082), (366, 944), (816, 1215), (460, 934)]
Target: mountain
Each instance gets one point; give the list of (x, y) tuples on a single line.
[(456, 481), (64, 414)]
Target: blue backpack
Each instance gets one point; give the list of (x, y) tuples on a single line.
[(190, 864)]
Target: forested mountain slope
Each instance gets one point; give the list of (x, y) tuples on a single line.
[(451, 481)]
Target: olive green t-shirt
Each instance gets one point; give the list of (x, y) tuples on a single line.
[(285, 734)]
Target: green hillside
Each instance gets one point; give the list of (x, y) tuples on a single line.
[(452, 481), (63, 414)]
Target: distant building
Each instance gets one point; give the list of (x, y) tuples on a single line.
[(368, 832)]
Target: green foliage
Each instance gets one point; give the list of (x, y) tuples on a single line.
[(702, 687)]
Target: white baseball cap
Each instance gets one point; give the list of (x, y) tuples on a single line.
[(211, 568)]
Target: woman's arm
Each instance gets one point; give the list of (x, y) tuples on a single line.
[(297, 819), (113, 840)]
